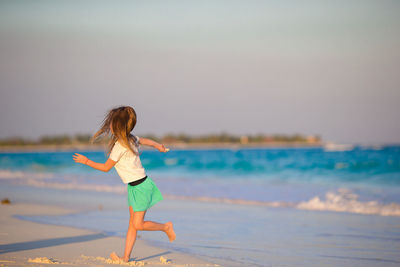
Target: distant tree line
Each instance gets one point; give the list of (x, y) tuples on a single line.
[(244, 139), (47, 140), (84, 139)]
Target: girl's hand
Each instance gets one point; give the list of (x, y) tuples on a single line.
[(162, 148), (78, 158)]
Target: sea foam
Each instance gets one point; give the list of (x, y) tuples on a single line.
[(8, 174), (48, 180), (344, 200)]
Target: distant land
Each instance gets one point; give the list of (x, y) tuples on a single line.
[(179, 141)]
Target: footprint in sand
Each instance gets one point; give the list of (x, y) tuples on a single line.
[(90, 259), (44, 260)]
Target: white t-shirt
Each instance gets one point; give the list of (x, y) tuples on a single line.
[(128, 165)]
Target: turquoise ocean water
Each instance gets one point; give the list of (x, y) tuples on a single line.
[(258, 207)]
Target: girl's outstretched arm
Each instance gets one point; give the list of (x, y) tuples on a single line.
[(149, 142), (105, 167)]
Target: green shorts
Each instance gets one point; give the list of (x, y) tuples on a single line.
[(143, 196)]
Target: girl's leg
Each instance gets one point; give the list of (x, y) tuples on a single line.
[(130, 235), (140, 224), (136, 222), (167, 228), (132, 232)]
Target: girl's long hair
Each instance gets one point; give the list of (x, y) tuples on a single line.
[(118, 124)]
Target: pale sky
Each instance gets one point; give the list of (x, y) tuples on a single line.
[(244, 67)]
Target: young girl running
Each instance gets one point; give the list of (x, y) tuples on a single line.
[(123, 153)]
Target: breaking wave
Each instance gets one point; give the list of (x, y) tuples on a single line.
[(78, 186), (48, 180), (7, 174), (344, 200)]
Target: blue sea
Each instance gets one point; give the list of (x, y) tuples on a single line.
[(237, 207)]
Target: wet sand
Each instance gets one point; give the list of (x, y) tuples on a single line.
[(24, 243)]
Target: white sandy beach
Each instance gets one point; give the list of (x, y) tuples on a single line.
[(26, 243)]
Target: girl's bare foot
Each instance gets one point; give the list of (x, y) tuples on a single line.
[(117, 258), (170, 231)]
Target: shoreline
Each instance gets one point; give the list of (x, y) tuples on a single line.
[(182, 146), (26, 243), (69, 148)]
